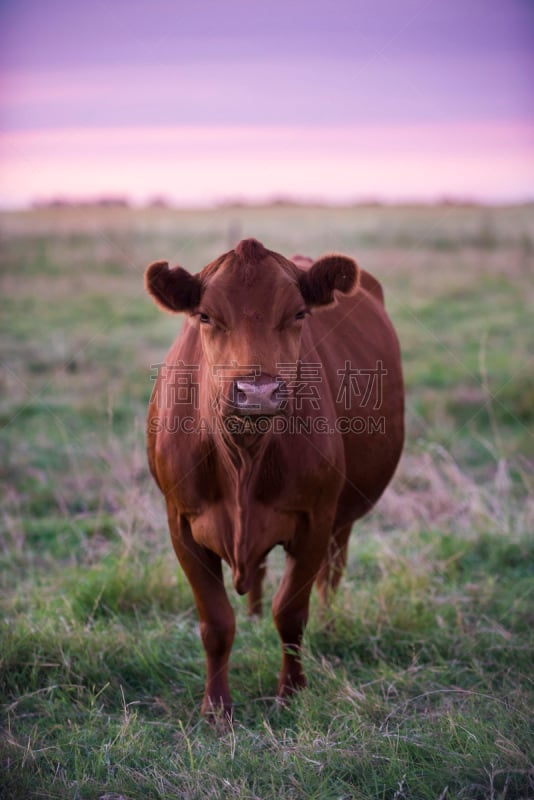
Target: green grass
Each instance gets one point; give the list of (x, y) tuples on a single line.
[(420, 676)]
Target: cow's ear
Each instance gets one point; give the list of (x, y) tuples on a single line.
[(173, 289), (328, 274)]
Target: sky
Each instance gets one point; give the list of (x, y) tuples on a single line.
[(214, 101)]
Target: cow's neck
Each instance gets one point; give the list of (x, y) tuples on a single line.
[(252, 463), (251, 469), (243, 451)]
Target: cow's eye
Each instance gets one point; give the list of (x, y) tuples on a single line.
[(300, 314), (204, 318)]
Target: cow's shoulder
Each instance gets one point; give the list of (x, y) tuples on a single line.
[(370, 284)]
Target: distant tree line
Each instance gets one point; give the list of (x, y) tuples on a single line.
[(105, 201)]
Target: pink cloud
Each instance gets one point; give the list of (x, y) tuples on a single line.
[(204, 164)]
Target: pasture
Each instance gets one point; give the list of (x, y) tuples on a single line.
[(420, 680)]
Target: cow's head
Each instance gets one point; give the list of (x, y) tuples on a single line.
[(250, 306)]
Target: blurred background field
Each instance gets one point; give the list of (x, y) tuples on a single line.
[(423, 688)]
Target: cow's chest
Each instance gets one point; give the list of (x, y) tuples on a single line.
[(243, 533)]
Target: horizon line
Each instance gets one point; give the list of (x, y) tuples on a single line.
[(161, 202)]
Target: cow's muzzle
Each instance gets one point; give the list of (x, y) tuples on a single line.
[(262, 397)]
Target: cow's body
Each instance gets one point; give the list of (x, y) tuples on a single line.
[(268, 426)]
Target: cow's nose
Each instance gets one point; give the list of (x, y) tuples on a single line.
[(258, 398)]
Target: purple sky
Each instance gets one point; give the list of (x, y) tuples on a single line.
[(428, 79)]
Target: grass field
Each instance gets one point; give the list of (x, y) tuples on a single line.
[(421, 683)]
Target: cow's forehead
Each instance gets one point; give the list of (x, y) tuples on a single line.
[(263, 279)]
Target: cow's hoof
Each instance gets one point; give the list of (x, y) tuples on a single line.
[(289, 685), (218, 716)]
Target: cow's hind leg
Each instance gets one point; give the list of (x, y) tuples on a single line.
[(333, 564), (255, 595), (216, 617)]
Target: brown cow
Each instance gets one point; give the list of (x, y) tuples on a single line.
[(277, 418)]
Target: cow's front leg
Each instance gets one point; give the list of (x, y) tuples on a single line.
[(290, 612), (217, 622)]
